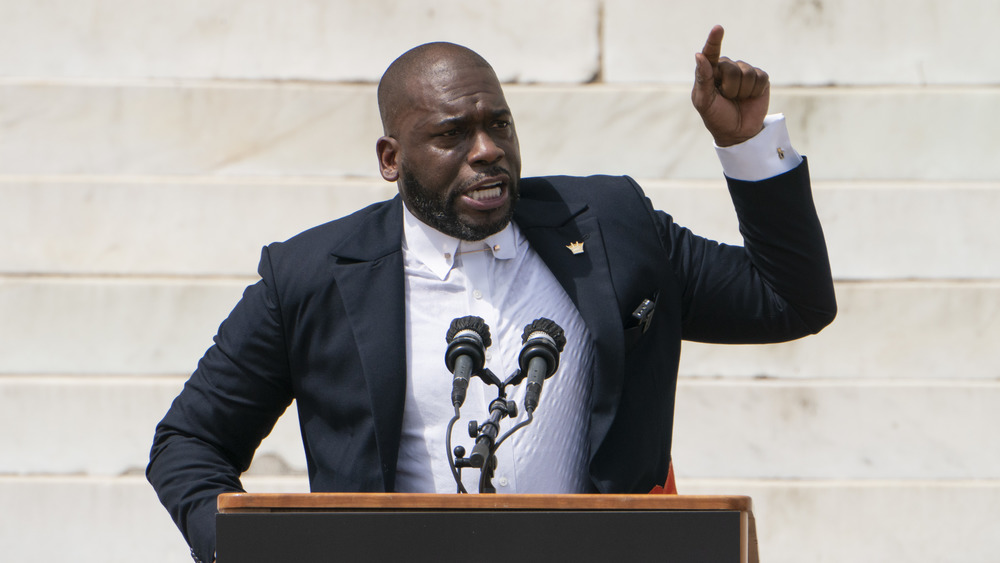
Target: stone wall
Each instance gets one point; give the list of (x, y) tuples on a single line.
[(149, 149)]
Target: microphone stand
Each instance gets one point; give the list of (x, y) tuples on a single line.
[(486, 444), (483, 452)]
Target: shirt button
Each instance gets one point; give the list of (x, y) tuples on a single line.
[(477, 294), (503, 481)]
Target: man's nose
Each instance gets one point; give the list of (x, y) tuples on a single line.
[(485, 149)]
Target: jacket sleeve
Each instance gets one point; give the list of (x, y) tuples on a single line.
[(227, 407), (777, 287)]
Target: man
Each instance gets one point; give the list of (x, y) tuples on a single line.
[(349, 317)]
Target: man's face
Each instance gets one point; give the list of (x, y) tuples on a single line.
[(456, 155)]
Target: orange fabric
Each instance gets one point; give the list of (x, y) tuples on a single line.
[(670, 487)]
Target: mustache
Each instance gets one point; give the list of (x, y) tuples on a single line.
[(489, 173)]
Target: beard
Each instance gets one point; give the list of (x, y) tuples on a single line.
[(439, 210)]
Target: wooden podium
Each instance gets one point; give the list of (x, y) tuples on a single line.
[(305, 528)]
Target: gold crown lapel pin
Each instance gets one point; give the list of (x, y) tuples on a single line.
[(575, 247)]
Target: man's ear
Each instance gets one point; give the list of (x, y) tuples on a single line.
[(387, 149)]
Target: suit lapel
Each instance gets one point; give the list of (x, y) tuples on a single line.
[(369, 273), (550, 227)]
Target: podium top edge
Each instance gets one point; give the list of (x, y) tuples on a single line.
[(283, 502)]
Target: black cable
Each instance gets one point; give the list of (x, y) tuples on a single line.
[(451, 458), (518, 426)]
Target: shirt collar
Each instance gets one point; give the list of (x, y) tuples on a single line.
[(437, 250)]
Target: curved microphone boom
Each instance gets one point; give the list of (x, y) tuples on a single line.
[(543, 342), (468, 338)]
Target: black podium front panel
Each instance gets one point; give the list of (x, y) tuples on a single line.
[(509, 536)]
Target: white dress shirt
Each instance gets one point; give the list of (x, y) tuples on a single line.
[(502, 280)]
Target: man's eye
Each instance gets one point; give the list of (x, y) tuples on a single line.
[(450, 133), (501, 124)]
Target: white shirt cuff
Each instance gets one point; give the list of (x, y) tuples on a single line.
[(766, 155)]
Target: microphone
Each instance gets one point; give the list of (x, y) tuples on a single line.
[(543, 342), (468, 338)]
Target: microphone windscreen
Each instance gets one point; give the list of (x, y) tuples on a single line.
[(473, 323), (547, 326)]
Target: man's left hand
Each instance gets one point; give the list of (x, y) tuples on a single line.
[(731, 96)]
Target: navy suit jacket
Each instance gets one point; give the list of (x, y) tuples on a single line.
[(325, 326)]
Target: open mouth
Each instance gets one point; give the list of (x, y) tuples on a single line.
[(487, 196), (488, 192)]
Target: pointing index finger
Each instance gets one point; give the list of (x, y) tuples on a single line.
[(713, 45)]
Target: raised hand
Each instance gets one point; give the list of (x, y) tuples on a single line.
[(731, 96)]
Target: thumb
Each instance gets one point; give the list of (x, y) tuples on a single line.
[(704, 82)]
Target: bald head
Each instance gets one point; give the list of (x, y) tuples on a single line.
[(420, 64), (449, 140)]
